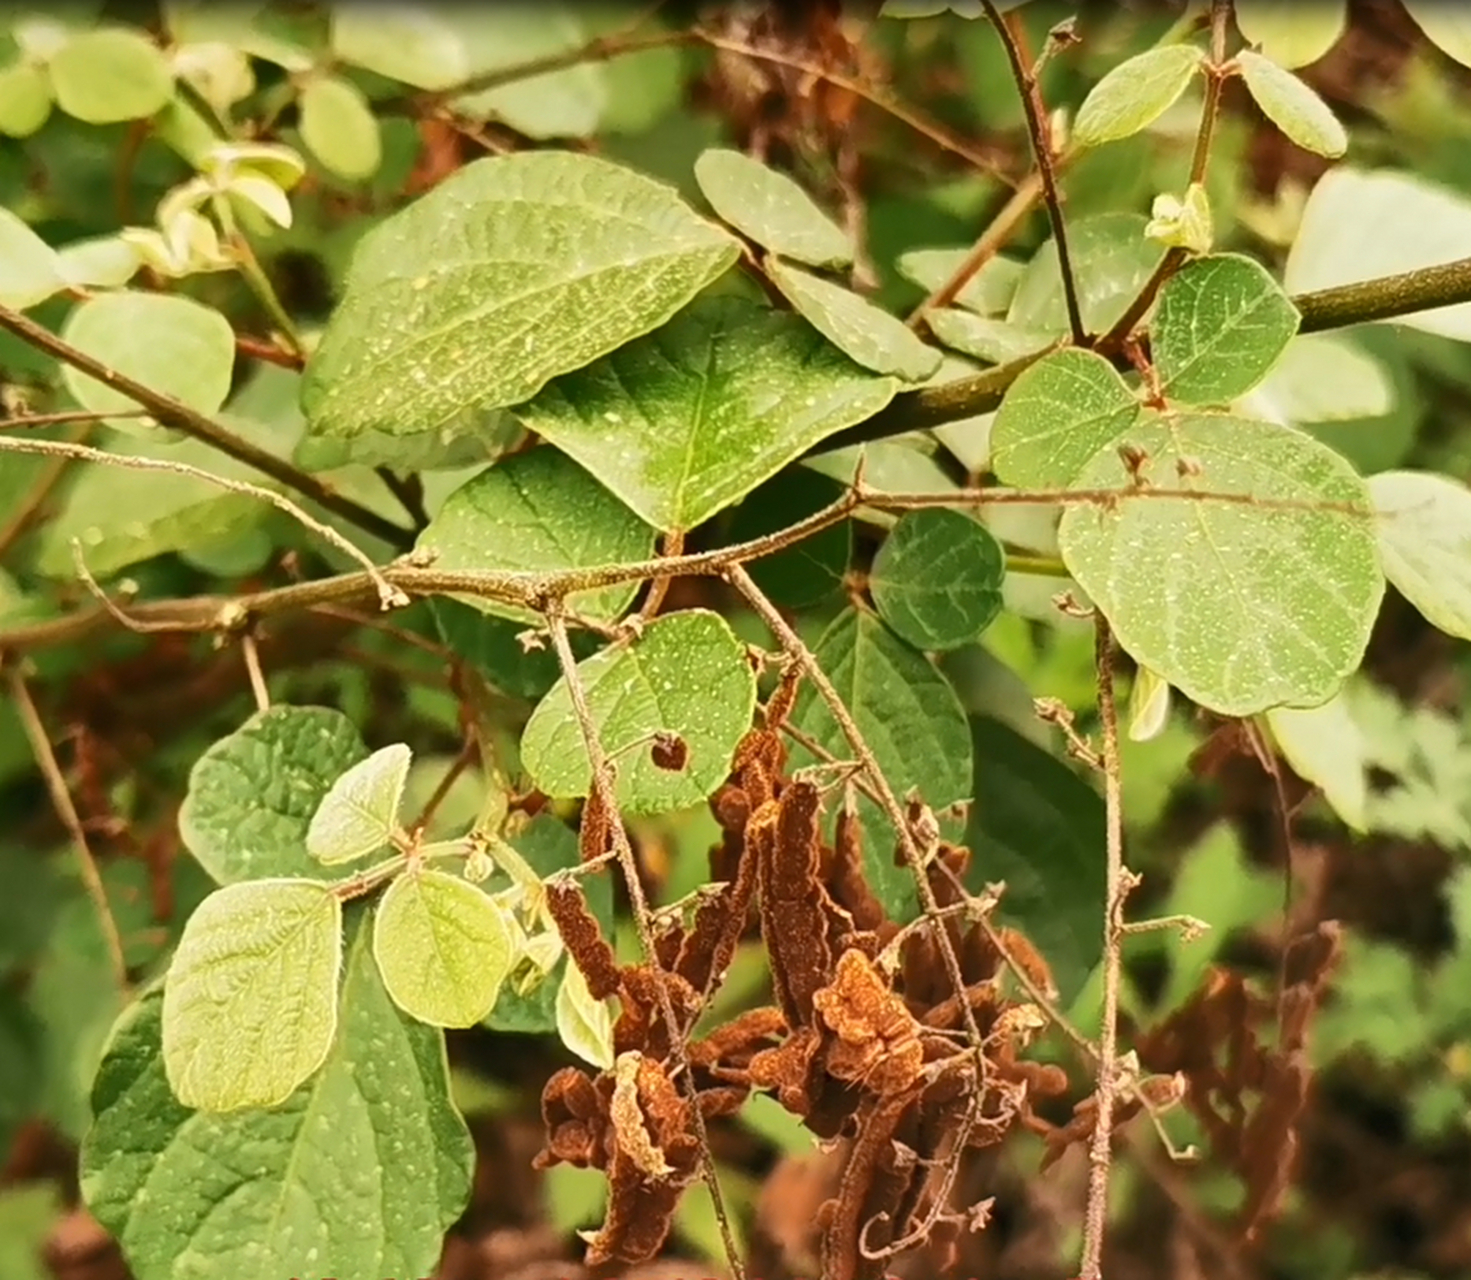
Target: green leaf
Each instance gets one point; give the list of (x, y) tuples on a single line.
[(985, 337), (491, 645), (1292, 106), (687, 674), (910, 716), (687, 421), (568, 103), (1325, 747), (168, 343), (104, 262), (1325, 377), (538, 512), (443, 947), (30, 270), (1039, 827), (1240, 607), (1112, 261), (25, 99), (403, 42), (937, 578), (1135, 94), (250, 1002), (359, 814), (1424, 530), (870, 335), (988, 292), (110, 74), (1219, 326), (1056, 416), (771, 209), (1446, 26), (253, 794), (1295, 35), (254, 1195), (1358, 225), (339, 128), (468, 300), (584, 1025)]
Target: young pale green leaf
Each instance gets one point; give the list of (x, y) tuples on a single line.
[(250, 1001), (1219, 326), (771, 209), (1326, 747), (339, 128), (584, 1025), (937, 578), (985, 337), (110, 74), (1280, 620), (359, 814), (687, 674), (1292, 106), (538, 512), (1112, 260), (168, 343), (1056, 416), (1292, 35), (403, 42), (99, 262), (908, 713), (1358, 225), (1038, 826), (1183, 223), (687, 421), (853, 324), (1135, 94), (443, 948), (253, 794), (1149, 706), (572, 102), (1324, 377), (25, 99), (30, 270), (1446, 26), (1424, 529), (434, 325), (988, 292), (252, 1195)]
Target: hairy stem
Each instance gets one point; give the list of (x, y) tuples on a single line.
[(602, 782), (174, 413)]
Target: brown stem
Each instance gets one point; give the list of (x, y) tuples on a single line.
[(175, 413), (1040, 130)]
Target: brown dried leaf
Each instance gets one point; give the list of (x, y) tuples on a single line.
[(582, 935), (877, 1041)]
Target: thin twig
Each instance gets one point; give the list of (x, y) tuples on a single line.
[(258, 688), (30, 420), (410, 494), (1040, 130), (175, 413), (390, 595), (61, 800), (1118, 883), (659, 587), (1216, 75), (30, 507), (602, 784)]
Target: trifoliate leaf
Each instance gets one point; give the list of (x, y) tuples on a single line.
[(253, 794), (1292, 106), (250, 1001), (443, 947), (687, 421), (937, 578), (770, 208), (1241, 606), (468, 300), (1135, 94), (687, 674), (1219, 326), (359, 814)]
